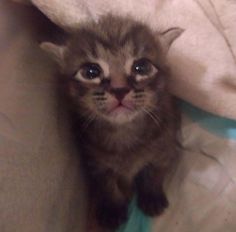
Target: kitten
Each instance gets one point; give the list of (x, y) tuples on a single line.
[(116, 77)]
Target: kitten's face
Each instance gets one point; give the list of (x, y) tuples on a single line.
[(118, 88), (115, 69)]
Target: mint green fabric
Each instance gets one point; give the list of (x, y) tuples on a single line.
[(137, 222), (217, 125)]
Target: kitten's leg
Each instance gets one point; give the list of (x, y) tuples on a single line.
[(151, 197), (113, 195)]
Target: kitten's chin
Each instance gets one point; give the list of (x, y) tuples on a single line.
[(121, 114)]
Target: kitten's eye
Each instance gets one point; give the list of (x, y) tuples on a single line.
[(90, 71), (142, 67)]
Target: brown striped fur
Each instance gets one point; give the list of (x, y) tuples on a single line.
[(125, 153)]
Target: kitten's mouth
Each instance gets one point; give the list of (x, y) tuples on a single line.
[(120, 108), (121, 111)]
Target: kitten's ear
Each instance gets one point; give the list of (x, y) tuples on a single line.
[(169, 36), (56, 51)]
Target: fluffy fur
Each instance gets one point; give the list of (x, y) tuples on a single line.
[(115, 74)]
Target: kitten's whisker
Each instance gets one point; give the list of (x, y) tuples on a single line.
[(156, 116), (139, 100), (99, 98), (139, 90), (99, 94), (155, 119), (88, 122), (139, 96)]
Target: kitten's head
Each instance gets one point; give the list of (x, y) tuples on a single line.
[(115, 67)]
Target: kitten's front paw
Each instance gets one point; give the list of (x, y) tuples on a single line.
[(153, 205), (112, 216)]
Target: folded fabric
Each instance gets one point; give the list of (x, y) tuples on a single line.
[(202, 193)]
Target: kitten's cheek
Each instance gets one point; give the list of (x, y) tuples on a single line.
[(75, 89), (72, 90)]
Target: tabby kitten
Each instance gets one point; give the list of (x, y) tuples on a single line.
[(116, 76)]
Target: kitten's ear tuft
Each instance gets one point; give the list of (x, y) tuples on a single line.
[(169, 36), (56, 51)]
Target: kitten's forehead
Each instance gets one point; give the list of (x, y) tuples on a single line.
[(114, 41), (123, 36), (109, 59)]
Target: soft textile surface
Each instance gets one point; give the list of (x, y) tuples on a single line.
[(40, 187), (203, 59), (39, 180), (203, 191)]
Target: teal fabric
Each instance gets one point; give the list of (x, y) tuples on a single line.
[(217, 125), (138, 222)]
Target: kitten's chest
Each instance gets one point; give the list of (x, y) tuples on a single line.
[(124, 150), (128, 162), (121, 140), (125, 158)]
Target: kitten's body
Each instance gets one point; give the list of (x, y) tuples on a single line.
[(127, 121)]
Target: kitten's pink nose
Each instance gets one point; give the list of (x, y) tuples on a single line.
[(120, 93)]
